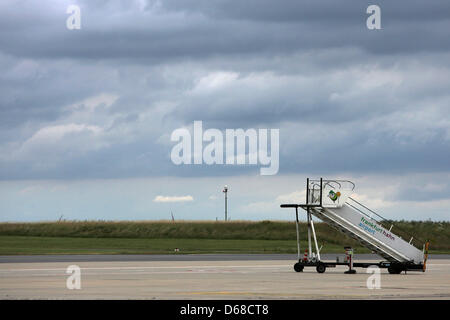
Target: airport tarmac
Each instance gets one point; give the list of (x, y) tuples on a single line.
[(214, 279)]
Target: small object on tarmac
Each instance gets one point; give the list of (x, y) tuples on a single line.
[(305, 256)]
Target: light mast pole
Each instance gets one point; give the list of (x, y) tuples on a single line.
[(225, 190)]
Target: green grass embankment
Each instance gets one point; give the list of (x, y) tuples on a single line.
[(158, 237)]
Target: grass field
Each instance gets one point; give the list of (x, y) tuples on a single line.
[(15, 245), (157, 237)]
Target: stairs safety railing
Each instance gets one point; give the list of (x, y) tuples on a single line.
[(385, 223)]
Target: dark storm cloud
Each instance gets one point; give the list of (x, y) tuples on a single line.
[(295, 10), (173, 30), (102, 101)]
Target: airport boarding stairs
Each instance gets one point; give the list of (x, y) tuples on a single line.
[(331, 202)]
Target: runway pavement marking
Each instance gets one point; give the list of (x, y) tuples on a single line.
[(142, 268), (276, 294), (220, 293), (150, 272)]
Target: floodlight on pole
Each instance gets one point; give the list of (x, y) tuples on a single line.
[(225, 190)]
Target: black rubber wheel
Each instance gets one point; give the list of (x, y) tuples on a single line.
[(321, 268), (298, 267), (393, 270)]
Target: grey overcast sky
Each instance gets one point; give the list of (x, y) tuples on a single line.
[(86, 115)]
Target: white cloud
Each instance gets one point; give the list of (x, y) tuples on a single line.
[(293, 197), (261, 206), (30, 189), (91, 103), (54, 143), (55, 133), (371, 201), (173, 198), (215, 80)]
